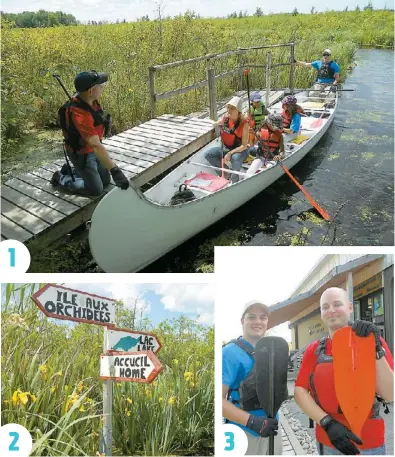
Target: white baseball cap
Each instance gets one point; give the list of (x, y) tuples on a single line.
[(236, 102), (253, 303), (327, 51)]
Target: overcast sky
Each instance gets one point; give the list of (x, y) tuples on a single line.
[(85, 10), (268, 275)]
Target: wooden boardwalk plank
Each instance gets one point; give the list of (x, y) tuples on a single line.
[(21, 217), (12, 231), (179, 129), (34, 207), (127, 140), (45, 185), (167, 131), (163, 140), (42, 196), (190, 124), (123, 154), (149, 140)]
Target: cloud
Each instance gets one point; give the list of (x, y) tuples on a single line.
[(184, 298), (191, 298)]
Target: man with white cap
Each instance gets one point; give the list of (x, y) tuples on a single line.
[(234, 133), (237, 364), (328, 74)]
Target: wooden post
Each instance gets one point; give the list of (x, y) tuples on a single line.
[(151, 75), (107, 408), (268, 70), (212, 97), (292, 69), (240, 63)]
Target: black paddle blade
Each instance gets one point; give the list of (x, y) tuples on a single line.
[(271, 359)]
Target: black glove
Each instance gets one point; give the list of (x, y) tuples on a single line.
[(340, 436), (365, 328), (295, 60), (119, 178), (263, 425)]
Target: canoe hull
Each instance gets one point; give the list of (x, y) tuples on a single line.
[(128, 231)]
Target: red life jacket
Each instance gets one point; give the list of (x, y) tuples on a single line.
[(271, 139), (287, 117), (232, 132), (322, 389)]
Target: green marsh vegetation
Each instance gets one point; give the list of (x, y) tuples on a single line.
[(50, 384), (31, 96)]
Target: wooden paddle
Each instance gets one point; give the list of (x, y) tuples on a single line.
[(271, 359), (354, 364)]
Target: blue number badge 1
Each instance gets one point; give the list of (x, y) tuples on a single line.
[(14, 257), (15, 441), (234, 440)]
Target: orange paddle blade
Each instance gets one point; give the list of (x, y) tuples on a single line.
[(321, 211), (354, 365)]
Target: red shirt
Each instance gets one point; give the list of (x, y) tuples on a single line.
[(310, 360), (372, 434), (83, 122)]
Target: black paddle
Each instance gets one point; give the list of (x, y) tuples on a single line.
[(271, 358), (57, 77)]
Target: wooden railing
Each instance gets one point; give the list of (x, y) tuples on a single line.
[(212, 78)]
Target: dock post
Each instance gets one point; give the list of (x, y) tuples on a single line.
[(240, 63), (292, 68), (212, 97), (151, 75), (268, 70)]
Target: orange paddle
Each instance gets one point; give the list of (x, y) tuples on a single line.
[(354, 364)]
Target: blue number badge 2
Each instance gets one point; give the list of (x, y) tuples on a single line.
[(230, 441), (14, 435)]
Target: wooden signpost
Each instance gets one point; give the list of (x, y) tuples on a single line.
[(128, 355), (121, 339), (74, 305), (141, 366)]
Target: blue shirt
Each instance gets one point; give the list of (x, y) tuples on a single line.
[(236, 366), (296, 121), (335, 67)]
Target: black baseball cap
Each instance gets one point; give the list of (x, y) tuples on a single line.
[(87, 79)]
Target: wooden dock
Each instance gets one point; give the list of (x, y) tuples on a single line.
[(37, 214)]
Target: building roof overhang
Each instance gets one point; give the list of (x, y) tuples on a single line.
[(286, 310)]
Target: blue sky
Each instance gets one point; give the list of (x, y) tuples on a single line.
[(85, 10), (158, 301)]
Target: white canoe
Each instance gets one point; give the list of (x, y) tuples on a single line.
[(131, 229)]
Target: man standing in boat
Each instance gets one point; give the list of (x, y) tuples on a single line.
[(83, 123), (314, 387), (237, 364), (328, 75), (234, 131)]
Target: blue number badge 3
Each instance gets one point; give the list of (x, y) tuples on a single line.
[(230, 441)]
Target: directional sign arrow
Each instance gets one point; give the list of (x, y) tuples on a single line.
[(121, 339), (141, 366), (75, 305)]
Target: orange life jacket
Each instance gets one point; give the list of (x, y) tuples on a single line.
[(271, 139), (287, 117), (322, 388), (232, 132)]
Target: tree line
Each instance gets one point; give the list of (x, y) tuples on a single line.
[(41, 18)]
